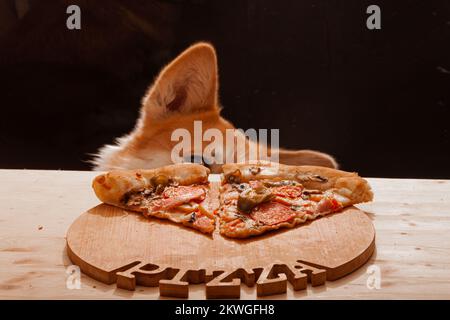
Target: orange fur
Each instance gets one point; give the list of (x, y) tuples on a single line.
[(186, 90)]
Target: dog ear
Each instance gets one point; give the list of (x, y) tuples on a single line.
[(187, 85)]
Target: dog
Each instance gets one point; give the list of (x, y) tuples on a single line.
[(185, 91)]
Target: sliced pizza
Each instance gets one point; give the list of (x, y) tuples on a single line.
[(179, 193), (257, 198)]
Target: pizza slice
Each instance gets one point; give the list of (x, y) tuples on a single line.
[(257, 198), (179, 193)]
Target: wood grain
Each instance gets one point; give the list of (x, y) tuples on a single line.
[(411, 217), (114, 245)]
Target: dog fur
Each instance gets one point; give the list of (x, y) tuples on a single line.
[(186, 90)]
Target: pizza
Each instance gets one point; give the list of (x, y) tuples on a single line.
[(254, 198), (179, 193), (257, 198)]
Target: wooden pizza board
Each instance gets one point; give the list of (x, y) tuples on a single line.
[(113, 245)]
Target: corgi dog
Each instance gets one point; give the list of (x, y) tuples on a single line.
[(186, 91)]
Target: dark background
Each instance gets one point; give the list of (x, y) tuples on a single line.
[(377, 100)]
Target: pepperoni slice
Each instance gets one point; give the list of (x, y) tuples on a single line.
[(287, 191), (176, 196), (191, 192), (328, 205), (270, 213)]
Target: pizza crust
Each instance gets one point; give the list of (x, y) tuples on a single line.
[(110, 187), (349, 184)]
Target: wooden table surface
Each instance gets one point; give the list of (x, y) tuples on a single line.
[(411, 218)]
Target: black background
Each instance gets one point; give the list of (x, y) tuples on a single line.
[(376, 100), (165, 309)]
